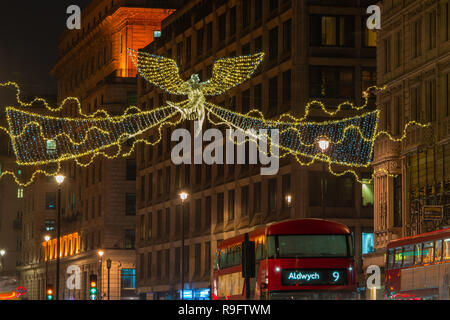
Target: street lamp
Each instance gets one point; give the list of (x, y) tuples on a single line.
[(323, 144), (108, 265), (183, 197), (100, 254), (2, 254), (59, 180), (47, 239)]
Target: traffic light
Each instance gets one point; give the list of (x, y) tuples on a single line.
[(93, 288), (50, 292)]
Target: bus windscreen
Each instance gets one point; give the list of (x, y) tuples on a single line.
[(312, 246)]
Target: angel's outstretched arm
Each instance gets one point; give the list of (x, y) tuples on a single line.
[(351, 140)]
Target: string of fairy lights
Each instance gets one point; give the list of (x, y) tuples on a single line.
[(43, 140)]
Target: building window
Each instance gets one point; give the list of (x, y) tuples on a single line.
[(149, 226), (159, 183), (222, 27), (417, 38), (129, 239), (19, 193), (430, 94), (180, 54), (367, 194), (398, 49), (209, 36), (398, 201), (287, 36), (220, 207), (245, 101), (158, 264), (186, 260), (272, 195), (150, 186), (258, 10), (188, 50), (273, 44), (232, 21), (198, 258), (368, 78), (51, 147), (287, 86), (286, 190), (149, 265), (128, 282), (208, 211), (168, 222), (207, 256), (231, 204), (246, 49), (335, 31), (246, 13), (369, 35), (387, 55), (258, 44), (198, 214), (415, 103), (257, 97), (273, 5), (200, 35), (178, 219), (273, 95), (50, 200), (130, 170), (142, 188), (431, 30), (339, 191), (397, 116), (257, 197), (331, 82), (130, 204), (244, 201), (142, 266), (159, 223)]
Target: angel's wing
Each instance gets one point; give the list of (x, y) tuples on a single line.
[(32, 135), (352, 139), (230, 72), (160, 71)]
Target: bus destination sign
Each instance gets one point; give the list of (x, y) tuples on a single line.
[(313, 277)]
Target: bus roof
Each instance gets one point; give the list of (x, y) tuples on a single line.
[(307, 226), (293, 226), (433, 235)]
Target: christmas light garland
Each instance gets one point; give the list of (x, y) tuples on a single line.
[(40, 140)]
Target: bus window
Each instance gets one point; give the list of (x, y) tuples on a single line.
[(229, 260), (271, 247), (237, 255), (438, 251), (408, 255), (390, 258), (398, 257), (418, 253), (259, 251), (223, 258), (446, 249), (428, 251)]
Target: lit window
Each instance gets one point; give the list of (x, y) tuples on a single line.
[(367, 243), (51, 147), (446, 249), (157, 34), (367, 194), (438, 251), (428, 251), (20, 193)]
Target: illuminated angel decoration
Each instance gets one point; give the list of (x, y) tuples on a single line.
[(39, 140)]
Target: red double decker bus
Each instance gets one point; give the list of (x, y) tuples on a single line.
[(418, 267), (295, 259)]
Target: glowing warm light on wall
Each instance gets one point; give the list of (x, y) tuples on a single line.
[(70, 245)]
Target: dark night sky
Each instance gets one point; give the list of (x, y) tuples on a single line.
[(29, 33)]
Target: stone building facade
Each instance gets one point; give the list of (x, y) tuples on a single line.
[(413, 52), (314, 50), (98, 201)]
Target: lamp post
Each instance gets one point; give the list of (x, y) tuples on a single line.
[(108, 265), (59, 179), (183, 197), (2, 254), (323, 144), (101, 253), (47, 239)]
